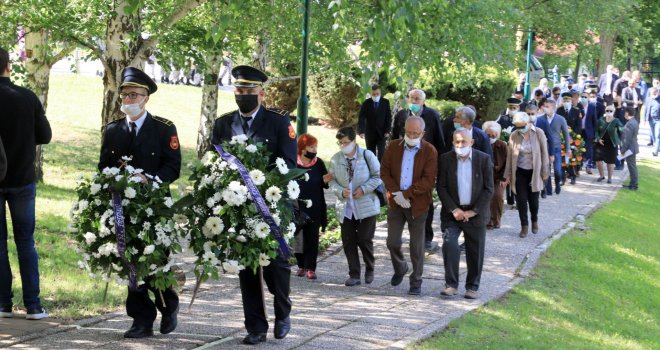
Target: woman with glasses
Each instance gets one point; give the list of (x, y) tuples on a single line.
[(356, 176), (606, 143)]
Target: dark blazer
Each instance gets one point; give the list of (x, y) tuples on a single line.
[(629, 137), (602, 82), (375, 123), (591, 120), (481, 141), (3, 161), (270, 126), (156, 148), (482, 187), (542, 124), (573, 117), (23, 126), (433, 132), (499, 157)]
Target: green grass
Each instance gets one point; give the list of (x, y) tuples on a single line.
[(593, 290), (74, 111)]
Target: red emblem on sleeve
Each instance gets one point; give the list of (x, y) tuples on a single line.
[(174, 143), (292, 133)]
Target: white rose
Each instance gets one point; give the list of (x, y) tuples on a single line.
[(130, 192), (149, 249)]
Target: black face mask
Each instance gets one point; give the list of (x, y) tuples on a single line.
[(247, 103), (310, 155)]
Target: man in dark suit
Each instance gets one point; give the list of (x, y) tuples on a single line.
[(432, 134), (465, 188), (23, 126), (463, 119), (606, 85), (557, 127), (153, 144), (589, 127), (375, 122), (3, 161), (271, 126), (505, 117), (571, 111)]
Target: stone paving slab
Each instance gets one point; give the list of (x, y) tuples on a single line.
[(328, 315)]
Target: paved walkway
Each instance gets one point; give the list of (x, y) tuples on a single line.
[(328, 315)]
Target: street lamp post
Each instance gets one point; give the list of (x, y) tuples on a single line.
[(303, 101), (529, 58)]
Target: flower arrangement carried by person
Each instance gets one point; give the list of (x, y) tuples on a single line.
[(505, 134), (238, 215), (578, 147), (123, 227)]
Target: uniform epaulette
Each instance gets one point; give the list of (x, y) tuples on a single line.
[(114, 121), (162, 120), (226, 114), (278, 111)]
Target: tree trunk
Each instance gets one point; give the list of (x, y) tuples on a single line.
[(577, 64), (261, 53), (123, 49), (607, 41), (38, 74), (209, 102)]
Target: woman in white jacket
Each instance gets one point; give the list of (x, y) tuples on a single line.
[(356, 177)]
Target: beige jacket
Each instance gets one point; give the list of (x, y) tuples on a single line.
[(540, 164)]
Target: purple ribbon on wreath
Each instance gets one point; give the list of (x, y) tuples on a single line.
[(262, 208), (120, 234)]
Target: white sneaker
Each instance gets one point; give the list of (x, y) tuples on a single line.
[(36, 314), (6, 312)]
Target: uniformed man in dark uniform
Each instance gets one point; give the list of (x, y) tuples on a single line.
[(154, 145), (272, 127)]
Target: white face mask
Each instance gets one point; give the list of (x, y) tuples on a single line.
[(592, 100), (567, 105), (463, 151), (548, 112), (348, 149), (132, 110), (376, 98), (492, 141), (412, 142), (609, 116)]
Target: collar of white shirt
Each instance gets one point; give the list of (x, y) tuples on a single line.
[(138, 123)]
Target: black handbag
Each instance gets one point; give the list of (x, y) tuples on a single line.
[(380, 190)]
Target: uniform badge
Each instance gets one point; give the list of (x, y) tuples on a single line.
[(292, 133), (174, 143)]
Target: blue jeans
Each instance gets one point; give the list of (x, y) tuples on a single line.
[(558, 172), (21, 202)]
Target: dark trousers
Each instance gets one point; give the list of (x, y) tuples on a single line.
[(21, 203), (358, 233), (510, 198), (142, 309), (428, 224), (632, 169), (397, 217), (310, 236), (475, 241), (376, 145), (277, 276), (525, 196), (588, 157), (557, 169)]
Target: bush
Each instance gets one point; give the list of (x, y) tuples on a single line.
[(446, 108), (337, 95), (283, 94), (488, 95)]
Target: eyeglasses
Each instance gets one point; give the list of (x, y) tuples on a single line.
[(131, 95), (339, 143)]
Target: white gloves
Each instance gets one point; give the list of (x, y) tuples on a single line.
[(400, 200)]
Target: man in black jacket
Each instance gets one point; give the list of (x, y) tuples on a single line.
[(432, 134), (271, 126), (375, 121), (23, 126), (154, 146), (3, 161)]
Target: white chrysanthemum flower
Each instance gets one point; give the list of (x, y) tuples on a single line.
[(119, 177), (291, 230), (94, 188), (155, 185), (106, 171), (293, 189), (130, 192), (251, 148), (82, 205), (130, 169), (125, 202), (238, 139), (281, 166), (89, 237), (180, 219), (149, 211), (210, 202), (97, 202), (273, 194), (257, 176), (232, 266), (149, 249), (169, 202), (235, 194), (261, 230), (135, 179), (213, 226), (264, 260)]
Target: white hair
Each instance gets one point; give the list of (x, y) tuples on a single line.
[(466, 113), (493, 126), (420, 120), (520, 117), (420, 92)]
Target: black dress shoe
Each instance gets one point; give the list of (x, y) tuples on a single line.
[(368, 277), (168, 323), (282, 328), (415, 290), (573, 181), (543, 195), (396, 278), (254, 338), (558, 189), (136, 332)]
